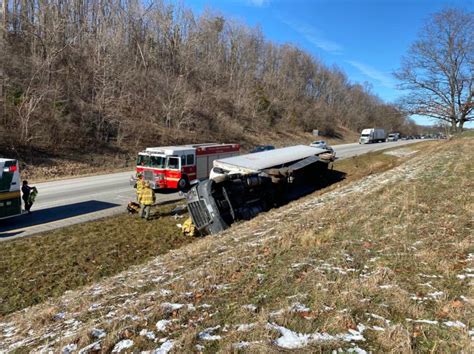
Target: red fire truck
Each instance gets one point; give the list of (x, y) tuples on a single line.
[(173, 167)]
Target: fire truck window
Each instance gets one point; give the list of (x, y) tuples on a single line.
[(190, 159), (157, 161), (183, 160), (143, 160), (173, 163)]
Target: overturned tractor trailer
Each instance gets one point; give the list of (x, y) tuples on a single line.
[(241, 187)]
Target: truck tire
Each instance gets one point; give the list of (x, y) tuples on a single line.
[(183, 184)]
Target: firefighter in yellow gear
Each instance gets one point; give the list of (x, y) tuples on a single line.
[(140, 186), (147, 199), (188, 227)]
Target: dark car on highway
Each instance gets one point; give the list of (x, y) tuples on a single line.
[(260, 148)]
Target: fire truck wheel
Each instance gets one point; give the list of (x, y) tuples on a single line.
[(183, 184)]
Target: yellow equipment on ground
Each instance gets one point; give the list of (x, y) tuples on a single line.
[(188, 228)]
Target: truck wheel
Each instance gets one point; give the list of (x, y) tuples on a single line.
[(183, 184)]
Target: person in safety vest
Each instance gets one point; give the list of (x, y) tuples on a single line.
[(140, 186), (29, 195), (146, 199)]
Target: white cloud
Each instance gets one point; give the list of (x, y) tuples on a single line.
[(315, 37), (374, 74)]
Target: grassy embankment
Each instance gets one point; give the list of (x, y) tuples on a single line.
[(381, 264), (46, 265)]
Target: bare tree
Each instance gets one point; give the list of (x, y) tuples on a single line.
[(438, 70), (95, 74)]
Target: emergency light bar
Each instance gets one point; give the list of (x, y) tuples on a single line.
[(10, 169)]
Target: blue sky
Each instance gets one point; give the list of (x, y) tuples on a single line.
[(366, 38)]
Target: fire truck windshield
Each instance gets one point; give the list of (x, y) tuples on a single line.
[(151, 161)]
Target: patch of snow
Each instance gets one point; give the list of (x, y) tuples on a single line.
[(164, 348), (98, 333), (96, 346), (464, 276), (356, 349), (111, 314), (199, 347), (250, 307), (208, 334), (436, 294), (433, 322), (428, 284), (97, 290), (429, 276), (241, 345), (170, 306), (204, 306), (131, 317), (68, 349), (190, 307), (378, 317), (148, 334), (297, 307), (388, 286), (165, 292), (123, 344), (9, 331), (377, 328), (94, 307), (277, 313), (245, 327), (161, 325), (293, 340), (244, 344), (456, 324), (297, 265), (221, 286), (59, 316)]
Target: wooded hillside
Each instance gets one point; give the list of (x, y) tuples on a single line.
[(87, 74)]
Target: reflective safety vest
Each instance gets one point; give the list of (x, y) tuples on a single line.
[(140, 186), (32, 196), (147, 196), (188, 227)]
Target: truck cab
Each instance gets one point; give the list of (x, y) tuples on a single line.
[(10, 195), (170, 167), (372, 135), (174, 167)]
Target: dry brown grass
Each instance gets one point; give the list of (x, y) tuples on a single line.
[(383, 252)]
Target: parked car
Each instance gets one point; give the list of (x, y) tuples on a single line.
[(260, 148)]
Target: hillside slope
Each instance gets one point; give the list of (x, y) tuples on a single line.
[(384, 263)]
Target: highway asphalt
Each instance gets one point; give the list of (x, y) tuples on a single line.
[(71, 201)]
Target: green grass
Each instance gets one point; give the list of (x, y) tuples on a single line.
[(46, 265)]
